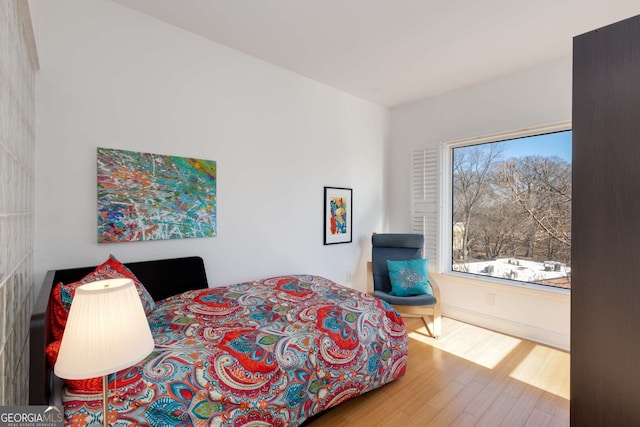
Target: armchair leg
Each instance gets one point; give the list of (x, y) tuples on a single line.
[(430, 315), (437, 321), (433, 325), (428, 324)]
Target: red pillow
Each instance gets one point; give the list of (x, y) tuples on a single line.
[(62, 294), (90, 384), (127, 377)]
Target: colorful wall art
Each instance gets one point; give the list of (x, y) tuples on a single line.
[(143, 196), (337, 215)]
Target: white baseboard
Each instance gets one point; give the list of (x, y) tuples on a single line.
[(520, 330)]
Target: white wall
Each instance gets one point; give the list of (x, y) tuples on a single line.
[(537, 96), (111, 77)]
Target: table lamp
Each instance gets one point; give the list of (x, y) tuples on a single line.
[(107, 330)]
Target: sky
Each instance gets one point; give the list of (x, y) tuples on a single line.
[(551, 144)]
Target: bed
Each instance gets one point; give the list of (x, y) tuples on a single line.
[(270, 352)]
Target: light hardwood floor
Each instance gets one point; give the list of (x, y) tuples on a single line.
[(468, 377)]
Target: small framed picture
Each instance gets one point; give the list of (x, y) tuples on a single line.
[(338, 218)]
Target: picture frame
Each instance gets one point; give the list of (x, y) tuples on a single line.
[(146, 196), (338, 215)]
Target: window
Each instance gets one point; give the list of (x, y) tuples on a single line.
[(511, 208)]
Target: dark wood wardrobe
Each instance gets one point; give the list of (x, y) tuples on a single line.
[(605, 294)]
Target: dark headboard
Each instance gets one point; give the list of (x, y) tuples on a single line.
[(162, 278)]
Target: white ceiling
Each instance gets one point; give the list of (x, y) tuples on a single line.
[(394, 51)]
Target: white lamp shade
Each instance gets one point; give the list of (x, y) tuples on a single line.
[(107, 330)]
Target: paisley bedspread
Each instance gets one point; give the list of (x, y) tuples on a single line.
[(267, 353)]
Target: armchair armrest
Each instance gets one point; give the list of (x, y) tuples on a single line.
[(370, 278), (435, 288)]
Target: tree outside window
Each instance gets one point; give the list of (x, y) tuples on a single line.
[(512, 209)]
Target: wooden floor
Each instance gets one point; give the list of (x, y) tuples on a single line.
[(468, 377)]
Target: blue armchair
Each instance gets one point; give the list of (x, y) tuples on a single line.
[(402, 247)]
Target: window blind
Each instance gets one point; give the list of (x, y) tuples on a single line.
[(424, 200)]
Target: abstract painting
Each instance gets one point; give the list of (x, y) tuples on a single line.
[(143, 196), (337, 215)]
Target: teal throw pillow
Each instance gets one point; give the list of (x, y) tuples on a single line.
[(409, 277)]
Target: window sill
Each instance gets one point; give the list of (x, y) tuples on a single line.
[(504, 285)]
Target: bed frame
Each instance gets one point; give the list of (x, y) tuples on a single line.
[(162, 278)]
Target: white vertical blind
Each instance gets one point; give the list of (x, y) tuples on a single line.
[(424, 200)]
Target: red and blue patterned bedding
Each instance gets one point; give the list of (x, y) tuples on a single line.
[(267, 353)]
